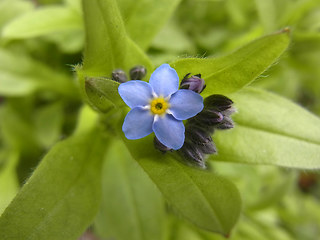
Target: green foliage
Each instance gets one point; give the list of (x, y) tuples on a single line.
[(65, 189), (142, 205), (236, 70), (98, 178), (40, 22), (144, 18), (283, 133)]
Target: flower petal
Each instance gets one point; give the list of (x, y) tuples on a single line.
[(185, 104), (164, 80), (138, 123), (169, 131), (135, 93)]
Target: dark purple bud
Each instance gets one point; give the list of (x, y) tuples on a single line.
[(158, 145), (119, 75), (194, 83), (196, 135), (209, 117), (229, 111), (227, 123), (208, 148), (191, 153), (138, 73), (218, 102)]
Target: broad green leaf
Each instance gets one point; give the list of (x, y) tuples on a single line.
[(270, 130), (62, 196), (43, 21), (144, 18), (202, 197), (128, 194), (103, 93), (21, 75), (107, 45), (232, 72)]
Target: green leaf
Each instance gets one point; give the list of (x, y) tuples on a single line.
[(270, 130), (107, 45), (232, 72), (141, 203), (62, 196), (103, 93), (41, 22), (207, 200), (21, 75), (144, 18)]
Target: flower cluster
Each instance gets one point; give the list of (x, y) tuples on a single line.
[(160, 107), (199, 129)]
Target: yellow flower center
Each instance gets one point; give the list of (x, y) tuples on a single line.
[(159, 106)]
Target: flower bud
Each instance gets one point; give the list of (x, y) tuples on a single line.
[(138, 73), (227, 123), (218, 102), (119, 75), (194, 83), (191, 153), (158, 145), (209, 117)]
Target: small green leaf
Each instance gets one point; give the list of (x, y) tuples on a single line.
[(232, 72), (141, 205), (103, 93), (144, 18), (62, 196), (270, 130), (41, 22), (207, 200)]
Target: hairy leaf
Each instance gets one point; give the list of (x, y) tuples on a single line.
[(207, 200), (141, 203), (270, 130), (61, 198), (230, 73)]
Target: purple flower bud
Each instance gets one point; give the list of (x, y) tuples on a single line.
[(138, 73), (194, 83), (119, 75), (227, 123), (193, 154), (218, 102)]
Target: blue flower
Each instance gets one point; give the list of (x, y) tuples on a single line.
[(159, 106)]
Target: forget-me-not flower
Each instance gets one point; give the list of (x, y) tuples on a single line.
[(159, 106)]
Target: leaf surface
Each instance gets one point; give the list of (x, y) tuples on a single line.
[(61, 198), (270, 130), (141, 203), (230, 73)]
